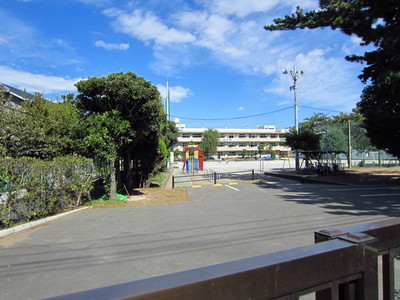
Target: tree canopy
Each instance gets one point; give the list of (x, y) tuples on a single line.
[(137, 102), (113, 120), (377, 24), (40, 128), (210, 141), (303, 140)]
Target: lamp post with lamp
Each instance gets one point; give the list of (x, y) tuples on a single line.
[(295, 76)]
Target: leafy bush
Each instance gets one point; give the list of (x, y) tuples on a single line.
[(31, 188)]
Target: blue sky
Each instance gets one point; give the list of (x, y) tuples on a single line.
[(221, 64)]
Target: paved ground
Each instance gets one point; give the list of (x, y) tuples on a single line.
[(101, 247)]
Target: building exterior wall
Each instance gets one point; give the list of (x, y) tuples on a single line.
[(233, 141)]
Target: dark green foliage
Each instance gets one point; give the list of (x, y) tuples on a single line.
[(381, 107), (303, 140), (40, 129), (169, 134), (317, 123), (210, 141), (138, 102), (376, 23), (271, 151), (261, 149), (334, 131), (33, 188), (334, 140)]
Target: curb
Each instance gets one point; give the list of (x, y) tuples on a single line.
[(19, 228)]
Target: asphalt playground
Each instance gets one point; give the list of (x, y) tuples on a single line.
[(238, 218)]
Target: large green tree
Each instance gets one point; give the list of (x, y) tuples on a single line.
[(380, 105), (139, 103), (102, 136), (40, 128), (303, 140), (334, 140), (358, 134), (377, 24), (210, 141)]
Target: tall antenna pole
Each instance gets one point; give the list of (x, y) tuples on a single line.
[(295, 76), (169, 105), (166, 103)]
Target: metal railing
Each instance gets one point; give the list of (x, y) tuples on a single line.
[(213, 176), (341, 265)]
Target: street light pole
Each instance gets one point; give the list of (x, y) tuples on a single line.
[(295, 76)]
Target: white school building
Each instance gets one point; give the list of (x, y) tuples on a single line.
[(233, 141)]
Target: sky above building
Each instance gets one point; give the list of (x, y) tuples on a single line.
[(223, 67)]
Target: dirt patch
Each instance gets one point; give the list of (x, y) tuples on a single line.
[(153, 196), (148, 196), (373, 175), (354, 176)]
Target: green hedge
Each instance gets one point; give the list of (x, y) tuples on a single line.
[(31, 188)]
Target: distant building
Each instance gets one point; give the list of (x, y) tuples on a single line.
[(17, 96), (233, 141)]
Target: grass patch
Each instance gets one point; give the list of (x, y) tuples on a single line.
[(106, 203), (159, 179)]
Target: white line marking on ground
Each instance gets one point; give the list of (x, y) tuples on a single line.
[(231, 187)]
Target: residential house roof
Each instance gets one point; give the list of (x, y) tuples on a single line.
[(18, 96)]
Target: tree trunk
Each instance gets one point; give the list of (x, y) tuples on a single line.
[(113, 181)]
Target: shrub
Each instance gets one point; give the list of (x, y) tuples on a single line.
[(32, 188)]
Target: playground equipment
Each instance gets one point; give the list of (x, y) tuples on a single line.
[(194, 159)]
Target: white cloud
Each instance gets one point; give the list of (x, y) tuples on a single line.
[(231, 33), (177, 93), (352, 46), (212, 31), (36, 82), (240, 8), (240, 108), (147, 27), (327, 81), (111, 46)]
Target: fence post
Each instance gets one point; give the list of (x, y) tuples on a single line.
[(388, 275), (215, 177), (173, 181), (252, 174)]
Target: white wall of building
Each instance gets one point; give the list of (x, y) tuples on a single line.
[(233, 141)]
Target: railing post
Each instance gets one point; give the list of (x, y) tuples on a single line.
[(388, 275), (366, 288), (173, 181), (215, 177), (320, 236)]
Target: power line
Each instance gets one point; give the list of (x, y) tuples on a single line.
[(233, 118), (321, 109), (26, 113)]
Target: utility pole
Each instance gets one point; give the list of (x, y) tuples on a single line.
[(350, 150), (295, 76), (167, 102)]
